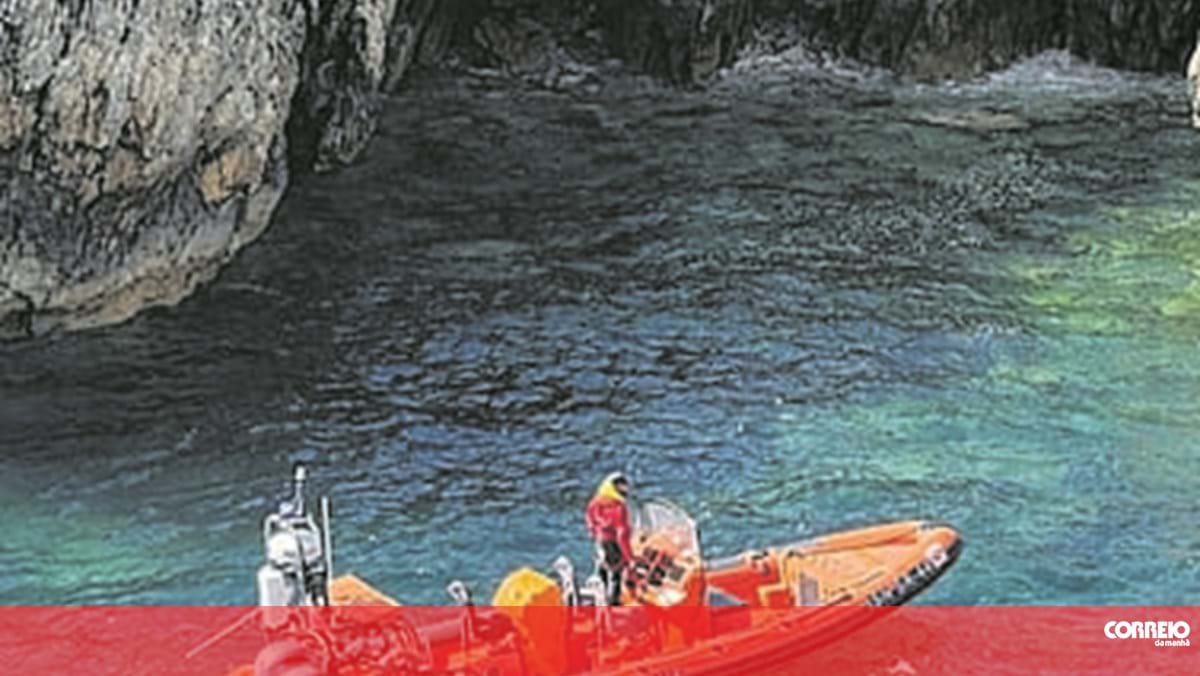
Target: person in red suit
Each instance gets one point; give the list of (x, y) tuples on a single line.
[(608, 524)]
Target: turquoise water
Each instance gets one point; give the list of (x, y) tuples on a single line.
[(800, 301)]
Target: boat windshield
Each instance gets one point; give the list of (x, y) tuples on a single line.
[(663, 520)]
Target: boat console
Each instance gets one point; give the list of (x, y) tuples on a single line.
[(667, 569)]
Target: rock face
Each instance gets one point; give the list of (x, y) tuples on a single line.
[(682, 40), (549, 43), (940, 38), (143, 143), (1193, 78), (140, 146), (355, 52), (1154, 35), (935, 39)]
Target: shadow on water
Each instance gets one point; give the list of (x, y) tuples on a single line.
[(795, 302)]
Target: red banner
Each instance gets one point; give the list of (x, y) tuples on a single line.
[(219, 641)]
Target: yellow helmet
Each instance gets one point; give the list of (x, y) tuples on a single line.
[(615, 486)]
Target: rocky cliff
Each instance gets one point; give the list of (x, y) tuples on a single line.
[(140, 145), (143, 143), (953, 38)]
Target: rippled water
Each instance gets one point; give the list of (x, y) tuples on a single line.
[(803, 300)]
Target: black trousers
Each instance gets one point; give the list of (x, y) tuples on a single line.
[(611, 566)]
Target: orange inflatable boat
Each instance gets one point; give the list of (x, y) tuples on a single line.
[(680, 614)]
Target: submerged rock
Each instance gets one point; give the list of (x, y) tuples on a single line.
[(551, 45), (985, 121)]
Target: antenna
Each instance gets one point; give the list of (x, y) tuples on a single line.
[(299, 476), (327, 536)]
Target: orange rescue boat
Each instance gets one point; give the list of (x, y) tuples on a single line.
[(680, 613)]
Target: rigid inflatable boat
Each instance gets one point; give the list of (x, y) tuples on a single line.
[(680, 613)]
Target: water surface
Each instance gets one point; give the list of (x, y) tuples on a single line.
[(802, 300)]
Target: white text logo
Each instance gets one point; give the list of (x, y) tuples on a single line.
[(1164, 634)]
